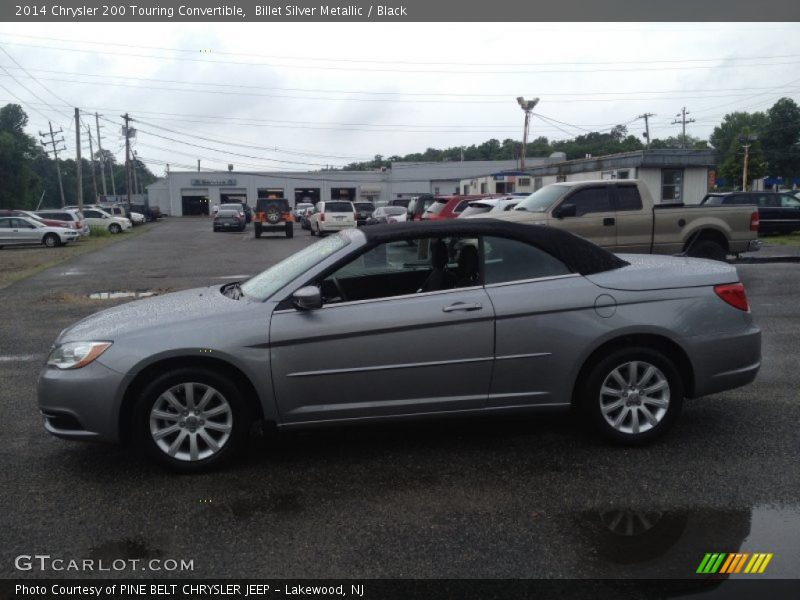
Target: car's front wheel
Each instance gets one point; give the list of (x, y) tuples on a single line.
[(191, 419), (633, 395), (115, 228), (51, 240)]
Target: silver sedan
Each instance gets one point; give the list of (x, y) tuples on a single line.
[(402, 321)]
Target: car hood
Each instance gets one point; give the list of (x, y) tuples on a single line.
[(199, 304), (652, 272)]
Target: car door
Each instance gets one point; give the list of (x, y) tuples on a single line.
[(24, 232), (544, 319), (790, 213), (595, 218), (769, 211), (634, 224), (394, 352), (7, 231)]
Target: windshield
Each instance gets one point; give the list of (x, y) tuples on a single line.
[(437, 207), (338, 207), (263, 285), (476, 208), (541, 200)]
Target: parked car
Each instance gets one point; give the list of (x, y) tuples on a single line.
[(777, 212), (33, 215), (363, 212), (388, 214), (300, 208), (489, 205), (446, 207), (304, 217), (417, 206), (66, 215), (96, 217), (333, 215), (475, 316), (229, 219), (273, 214), (236, 207), (24, 230), (151, 213), (620, 215), (123, 210)]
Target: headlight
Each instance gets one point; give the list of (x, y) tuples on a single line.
[(74, 355)]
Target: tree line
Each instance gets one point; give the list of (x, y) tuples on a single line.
[(29, 175), (773, 137)]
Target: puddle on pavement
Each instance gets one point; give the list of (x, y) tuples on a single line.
[(121, 294), (672, 543)]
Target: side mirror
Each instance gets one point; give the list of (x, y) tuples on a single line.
[(565, 210), (307, 298)]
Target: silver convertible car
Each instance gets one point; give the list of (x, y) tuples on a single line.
[(404, 321)]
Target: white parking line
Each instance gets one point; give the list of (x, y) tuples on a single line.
[(18, 357)]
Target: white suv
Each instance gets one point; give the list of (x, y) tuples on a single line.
[(333, 215)]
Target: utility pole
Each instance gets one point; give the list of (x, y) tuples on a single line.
[(198, 165), (527, 106), (54, 142), (91, 162), (127, 133), (79, 173), (646, 117), (745, 141), (102, 156), (683, 123), (135, 178)]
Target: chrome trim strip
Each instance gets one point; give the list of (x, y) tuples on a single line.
[(434, 363), (412, 402), (517, 395), (514, 356), (535, 279)]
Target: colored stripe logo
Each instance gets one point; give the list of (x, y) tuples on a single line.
[(730, 563)]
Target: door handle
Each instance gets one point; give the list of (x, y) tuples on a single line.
[(609, 221), (462, 306)]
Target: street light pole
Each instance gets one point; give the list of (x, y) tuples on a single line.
[(527, 106)]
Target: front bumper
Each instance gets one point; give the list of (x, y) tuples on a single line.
[(80, 404)]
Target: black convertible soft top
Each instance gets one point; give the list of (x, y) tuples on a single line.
[(578, 254)]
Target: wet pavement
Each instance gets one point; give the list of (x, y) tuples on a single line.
[(500, 498)]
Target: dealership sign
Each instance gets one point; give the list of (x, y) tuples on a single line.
[(214, 182)]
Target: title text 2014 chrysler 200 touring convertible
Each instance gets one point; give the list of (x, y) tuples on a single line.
[(400, 321)]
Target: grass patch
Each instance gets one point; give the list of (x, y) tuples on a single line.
[(788, 239), (21, 262), (99, 232)]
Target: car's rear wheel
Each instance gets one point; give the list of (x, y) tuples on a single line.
[(114, 228), (257, 229), (311, 229), (633, 395), (51, 240), (708, 249), (191, 419)]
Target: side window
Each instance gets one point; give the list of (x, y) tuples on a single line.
[(404, 267), (771, 201), (789, 202), (511, 260), (628, 198), (590, 200), (20, 224), (461, 206), (5, 223), (671, 185)]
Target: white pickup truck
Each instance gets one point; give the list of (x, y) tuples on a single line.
[(620, 215)]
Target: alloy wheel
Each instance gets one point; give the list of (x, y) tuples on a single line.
[(634, 397), (191, 421)]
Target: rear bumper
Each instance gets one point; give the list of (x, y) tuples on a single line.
[(725, 362)]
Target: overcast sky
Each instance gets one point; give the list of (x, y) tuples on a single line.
[(321, 93)]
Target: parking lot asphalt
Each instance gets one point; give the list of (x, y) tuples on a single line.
[(497, 497)]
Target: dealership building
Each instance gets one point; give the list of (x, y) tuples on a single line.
[(195, 193)]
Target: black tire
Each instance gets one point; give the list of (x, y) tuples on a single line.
[(51, 240), (257, 230), (289, 230), (239, 416), (592, 400), (708, 249), (114, 228), (311, 231)]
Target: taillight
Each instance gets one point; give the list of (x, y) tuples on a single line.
[(733, 294), (321, 216), (755, 221)]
